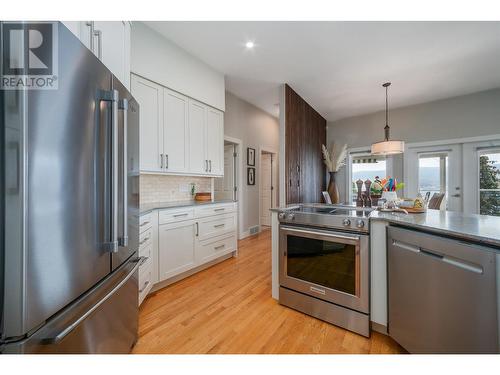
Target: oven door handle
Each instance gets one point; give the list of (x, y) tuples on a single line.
[(323, 234)]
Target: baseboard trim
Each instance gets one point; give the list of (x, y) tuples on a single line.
[(380, 328), (174, 279), (244, 234)]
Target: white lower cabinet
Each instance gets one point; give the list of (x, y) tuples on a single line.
[(178, 240), (176, 248)]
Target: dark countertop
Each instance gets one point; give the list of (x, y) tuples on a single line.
[(477, 228), (148, 207)]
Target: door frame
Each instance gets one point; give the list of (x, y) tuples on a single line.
[(239, 181), (275, 162)]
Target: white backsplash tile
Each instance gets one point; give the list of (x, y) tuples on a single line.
[(158, 188)]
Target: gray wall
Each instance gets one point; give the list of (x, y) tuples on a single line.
[(459, 117), (255, 128)]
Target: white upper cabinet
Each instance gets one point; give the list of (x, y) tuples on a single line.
[(175, 131), (198, 162), (215, 141), (109, 41), (179, 135), (150, 98)]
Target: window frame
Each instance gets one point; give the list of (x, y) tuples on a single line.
[(357, 152), (479, 152)]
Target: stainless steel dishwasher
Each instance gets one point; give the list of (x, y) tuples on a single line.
[(443, 293)]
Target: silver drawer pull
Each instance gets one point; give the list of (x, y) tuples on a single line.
[(144, 241), (219, 209), (180, 215), (219, 247), (145, 223), (317, 290), (145, 286), (406, 246), (219, 225)]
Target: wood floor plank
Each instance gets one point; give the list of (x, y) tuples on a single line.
[(228, 308)]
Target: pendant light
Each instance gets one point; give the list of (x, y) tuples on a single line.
[(387, 146)]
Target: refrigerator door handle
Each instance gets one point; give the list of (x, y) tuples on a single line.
[(61, 335), (123, 105), (112, 96)]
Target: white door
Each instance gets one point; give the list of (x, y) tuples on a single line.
[(224, 186), (215, 141), (435, 169), (197, 140), (175, 131), (150, 98), (176, 247), (265, 188)]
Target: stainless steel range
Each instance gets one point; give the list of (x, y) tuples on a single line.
[(324, 263)]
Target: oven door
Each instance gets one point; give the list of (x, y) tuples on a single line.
[(332, 266)]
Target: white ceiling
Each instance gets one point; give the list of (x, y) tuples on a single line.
[(338, 67)]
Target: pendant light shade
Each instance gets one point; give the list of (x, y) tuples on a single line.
[(387, 146)]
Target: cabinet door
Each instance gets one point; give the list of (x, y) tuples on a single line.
[(197, 138), (175, 131), (150, 98), (215, 141), (111, 45), (176, 248)]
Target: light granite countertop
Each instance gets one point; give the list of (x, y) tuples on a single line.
[(477, 228), (148, 207)]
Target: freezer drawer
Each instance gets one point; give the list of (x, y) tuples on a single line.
[(104, 320), (442, 294)]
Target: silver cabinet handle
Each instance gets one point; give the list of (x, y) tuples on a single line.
[(180, 215), (219, 209), (144, 241), (197, 229), (123, 105), (166, 161), (219, 247), (145, 286), (145, 223), (161, 161), (210, 161), (206, 165), (90, 25), (61, 335), (219, 225)]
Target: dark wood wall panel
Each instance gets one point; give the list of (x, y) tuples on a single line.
[(305, 132)]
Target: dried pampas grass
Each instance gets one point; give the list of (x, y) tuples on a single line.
[(332, 160)]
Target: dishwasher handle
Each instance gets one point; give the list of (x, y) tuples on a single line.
[(453, 261)]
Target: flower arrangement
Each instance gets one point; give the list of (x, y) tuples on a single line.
[(334, 161)]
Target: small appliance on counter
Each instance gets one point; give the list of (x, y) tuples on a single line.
[(203, 197)]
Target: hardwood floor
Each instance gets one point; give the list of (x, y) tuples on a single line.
[(228, 309)]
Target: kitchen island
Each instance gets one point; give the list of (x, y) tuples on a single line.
[(481, 233)]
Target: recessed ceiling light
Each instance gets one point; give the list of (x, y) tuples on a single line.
[(249, 44)]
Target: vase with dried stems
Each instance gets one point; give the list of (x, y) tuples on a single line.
[(334, 161)]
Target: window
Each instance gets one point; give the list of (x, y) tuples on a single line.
[(366, 167), (433, 174), (489, 182)]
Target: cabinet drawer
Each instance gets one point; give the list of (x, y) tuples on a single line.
[(215, 209), (172, 216), (145, 238), (146, 251), (145, 279), (212, 249), (145, 222), (216, 225)]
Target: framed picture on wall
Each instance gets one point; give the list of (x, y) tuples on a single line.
[(251, 156), (250, 176)]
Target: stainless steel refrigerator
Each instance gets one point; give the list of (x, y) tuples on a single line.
[(69, 222)]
